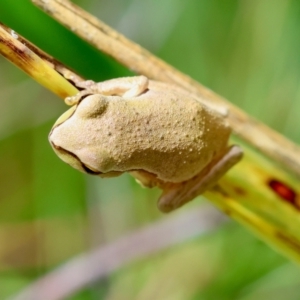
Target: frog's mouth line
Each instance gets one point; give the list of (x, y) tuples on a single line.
[(84, 167)]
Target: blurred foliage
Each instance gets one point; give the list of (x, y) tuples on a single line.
[(246, 51)]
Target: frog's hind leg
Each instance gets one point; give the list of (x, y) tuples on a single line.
[(176, 195)]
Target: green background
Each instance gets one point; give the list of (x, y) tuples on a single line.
[(247, 51)]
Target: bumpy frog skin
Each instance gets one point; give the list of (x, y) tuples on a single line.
[(161, 134)]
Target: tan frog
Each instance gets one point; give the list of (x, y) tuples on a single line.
[(161, 134)]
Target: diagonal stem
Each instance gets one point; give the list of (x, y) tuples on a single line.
[(35, 62)]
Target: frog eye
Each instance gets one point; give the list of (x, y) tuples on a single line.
[(92, 106)]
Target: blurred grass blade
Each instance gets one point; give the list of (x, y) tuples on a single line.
[(37, 68), (103, 260)]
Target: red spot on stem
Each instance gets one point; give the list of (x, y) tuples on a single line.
[(283, 191)]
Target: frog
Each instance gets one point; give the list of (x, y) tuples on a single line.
[(160, 133)]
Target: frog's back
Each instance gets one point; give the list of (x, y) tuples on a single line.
[(168, 134)]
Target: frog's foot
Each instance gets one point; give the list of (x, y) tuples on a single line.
[(146, 179), (72, 100), (176, 195), (87, 85), (69, 75), (126, 87)]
